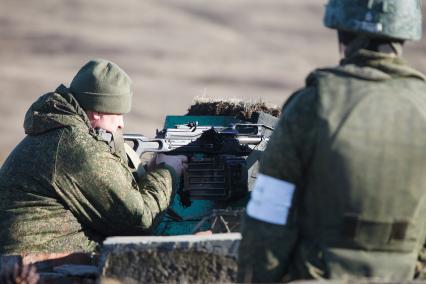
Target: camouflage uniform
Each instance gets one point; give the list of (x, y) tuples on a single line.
[(64, 190), (353, 142)]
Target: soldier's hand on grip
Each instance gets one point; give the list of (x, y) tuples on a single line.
[(178, 162)]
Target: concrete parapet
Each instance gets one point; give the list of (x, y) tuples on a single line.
[(171, 259)]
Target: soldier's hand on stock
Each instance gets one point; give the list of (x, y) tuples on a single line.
[(178, 162)]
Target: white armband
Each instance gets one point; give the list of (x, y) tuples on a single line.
[(270, 200)]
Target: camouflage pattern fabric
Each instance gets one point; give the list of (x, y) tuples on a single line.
[(352, 141), (63, 190)]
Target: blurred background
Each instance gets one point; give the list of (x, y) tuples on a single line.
[(173, 51)]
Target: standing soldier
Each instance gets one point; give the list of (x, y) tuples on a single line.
[(342, 185), (67, 185)]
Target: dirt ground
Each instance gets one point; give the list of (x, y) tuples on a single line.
[(173, 50)]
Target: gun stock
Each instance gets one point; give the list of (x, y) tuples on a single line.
[(142, 144)]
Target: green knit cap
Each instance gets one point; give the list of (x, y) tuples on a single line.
[(102, 86)]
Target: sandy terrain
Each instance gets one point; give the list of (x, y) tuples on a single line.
[(173, 50)]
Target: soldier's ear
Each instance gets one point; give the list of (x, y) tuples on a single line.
[(93, 115)]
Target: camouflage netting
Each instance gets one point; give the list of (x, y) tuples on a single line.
[(240, 109)]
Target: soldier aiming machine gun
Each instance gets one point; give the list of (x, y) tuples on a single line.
[(218, 162)]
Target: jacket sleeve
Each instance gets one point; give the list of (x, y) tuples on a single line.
[(101, 192), (157, 188), (266, 249)]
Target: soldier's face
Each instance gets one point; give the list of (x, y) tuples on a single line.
[(108, 121)]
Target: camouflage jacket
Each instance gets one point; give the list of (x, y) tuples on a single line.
[(353, 142), (63, 190)]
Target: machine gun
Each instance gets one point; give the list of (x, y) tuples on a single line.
[(217, 155)]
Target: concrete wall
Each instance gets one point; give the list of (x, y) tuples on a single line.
[(176, 259)]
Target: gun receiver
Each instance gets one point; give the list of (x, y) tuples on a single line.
[(217, 167)]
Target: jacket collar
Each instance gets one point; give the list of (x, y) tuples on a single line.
[(386, 64)]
